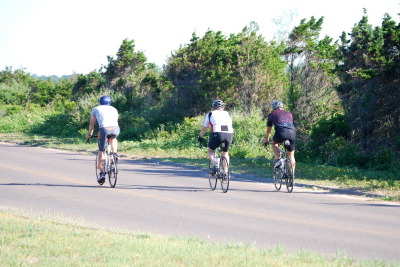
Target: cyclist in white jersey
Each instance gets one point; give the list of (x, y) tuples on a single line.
[(220, 123), (107, 118)]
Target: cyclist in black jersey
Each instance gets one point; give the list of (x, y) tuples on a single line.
[(284, 129)]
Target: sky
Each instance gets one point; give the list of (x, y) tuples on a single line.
[(62, 37)]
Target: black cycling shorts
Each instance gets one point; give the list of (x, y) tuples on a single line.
[(281, 134), (103, 136), (217, 138)]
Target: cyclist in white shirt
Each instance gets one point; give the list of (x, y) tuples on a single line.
[(107, 118), (220, 123)]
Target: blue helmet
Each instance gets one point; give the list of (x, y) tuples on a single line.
[(105, 100)]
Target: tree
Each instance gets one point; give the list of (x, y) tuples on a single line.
[(311, 61), (131, 75), (369, 72)]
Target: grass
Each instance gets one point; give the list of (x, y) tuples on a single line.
[(35, 241), (49, 241), (386, 184)]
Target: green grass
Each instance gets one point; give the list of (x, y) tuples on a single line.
[(384, 183), (35, 241)]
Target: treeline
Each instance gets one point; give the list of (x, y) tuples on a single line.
[(344, 93)]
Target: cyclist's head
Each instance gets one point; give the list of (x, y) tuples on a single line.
[(277, 105), (218, 104), (105, 100)]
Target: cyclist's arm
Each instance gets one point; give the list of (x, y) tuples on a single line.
[(268, 133), (91, 125), (203, 131)]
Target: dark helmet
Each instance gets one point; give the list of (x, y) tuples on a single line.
[(277, 105), (218, 104), (105, 100)]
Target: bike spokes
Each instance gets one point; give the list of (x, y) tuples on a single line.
[(224, 174), (212, 176), (277, 176), (113, 171)]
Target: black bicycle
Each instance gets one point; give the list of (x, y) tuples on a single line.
[(220, 171), (283, 172), (110, 162)]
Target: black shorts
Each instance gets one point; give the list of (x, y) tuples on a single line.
[(217, 138), (103, 136), (281, 134)]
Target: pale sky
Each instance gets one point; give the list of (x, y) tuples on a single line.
[(61, 37)]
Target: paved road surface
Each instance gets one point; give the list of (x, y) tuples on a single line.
[(169, 200)]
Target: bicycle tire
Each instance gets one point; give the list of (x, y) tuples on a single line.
[(212, 177), (224, 176), (277, 177), (97, 169), (289, 175), (112, 171)]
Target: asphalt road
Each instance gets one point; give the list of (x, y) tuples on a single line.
[(169, 200)]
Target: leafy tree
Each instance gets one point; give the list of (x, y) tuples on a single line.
[(130, 74), (243, 70), (86, 84), (311, 95), (369, 73), (259, 69)]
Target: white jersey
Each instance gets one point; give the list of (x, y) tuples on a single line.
[(219, 121), (106, 116)]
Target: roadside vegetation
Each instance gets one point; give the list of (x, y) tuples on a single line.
[(40, 241)]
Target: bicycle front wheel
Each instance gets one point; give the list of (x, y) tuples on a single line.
[(113, 171), (289, 175), (224, 174), (277, 176), (212, 176)]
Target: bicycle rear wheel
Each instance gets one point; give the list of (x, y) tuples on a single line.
[(224, 174), (212, 177), (289, 175), (113, 171), (97, 169), (277, 176)]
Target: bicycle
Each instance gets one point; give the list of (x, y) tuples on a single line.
[(221, 172), (111, 162), (283, 172)]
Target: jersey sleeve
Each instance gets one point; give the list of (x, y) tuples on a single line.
[(269, 120), (206, 122)]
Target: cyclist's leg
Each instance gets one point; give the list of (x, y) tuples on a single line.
[(227, 139), (290, 155), (114, 142), (102, 136), (276, 140), (213, 143), (211, 156), (291, 135)]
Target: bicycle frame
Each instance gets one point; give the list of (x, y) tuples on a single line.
[(284, 172), (221, 172), (110, 163)]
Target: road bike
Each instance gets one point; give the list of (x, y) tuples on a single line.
[(110, 162), (220, 171), (283, 173)]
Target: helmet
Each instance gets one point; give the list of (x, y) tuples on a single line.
[(218, 104), (105, 100), (277, 105)]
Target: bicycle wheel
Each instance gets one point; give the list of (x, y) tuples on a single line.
[(112, 171), (97, 169), (289, 175), (277, 176), (212, 177), (224, 174)]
